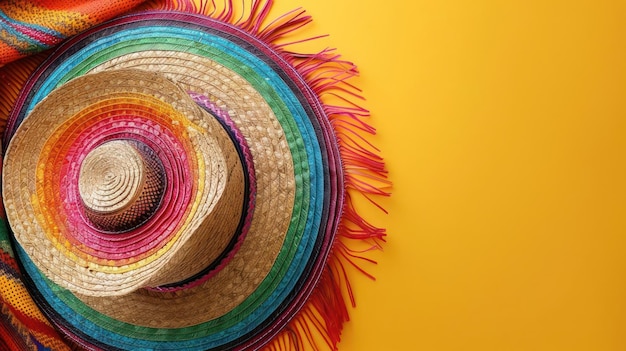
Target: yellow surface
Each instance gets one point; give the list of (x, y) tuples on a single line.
[(503, 124)]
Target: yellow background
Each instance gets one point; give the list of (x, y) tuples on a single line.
[(503, 126)]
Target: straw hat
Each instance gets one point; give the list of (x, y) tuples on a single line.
[(171, 183)]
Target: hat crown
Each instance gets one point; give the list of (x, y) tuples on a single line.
[(121, 184)]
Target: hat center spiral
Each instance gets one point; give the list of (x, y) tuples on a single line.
[(121, 184)]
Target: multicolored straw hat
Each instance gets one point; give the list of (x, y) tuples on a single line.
[(173, 180)]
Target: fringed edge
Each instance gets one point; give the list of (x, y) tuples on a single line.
[(320, 322), (13, 334)]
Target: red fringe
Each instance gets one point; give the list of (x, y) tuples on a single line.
[(321, 320)]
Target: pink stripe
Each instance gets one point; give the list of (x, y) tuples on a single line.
[(40, 36)]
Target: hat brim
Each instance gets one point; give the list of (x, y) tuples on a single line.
[(247, 318)]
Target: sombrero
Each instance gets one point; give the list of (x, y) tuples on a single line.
[(173, 181)]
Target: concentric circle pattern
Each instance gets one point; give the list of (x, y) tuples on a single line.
[(173, 183)]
